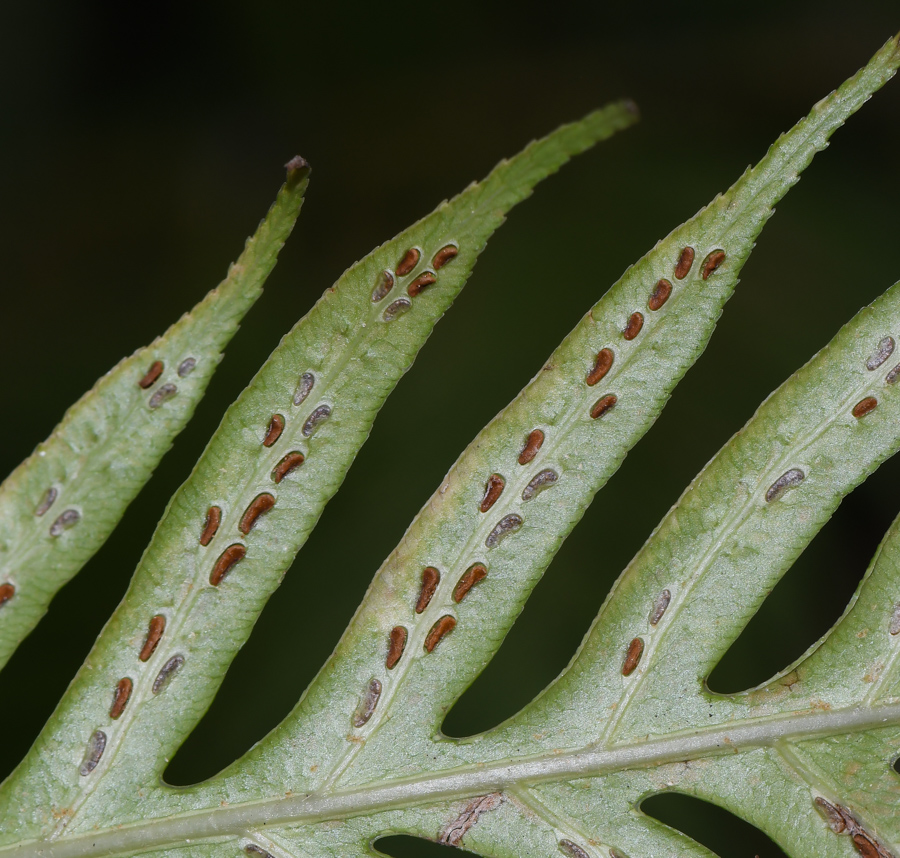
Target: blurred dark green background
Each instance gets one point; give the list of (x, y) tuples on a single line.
[(140, 146)]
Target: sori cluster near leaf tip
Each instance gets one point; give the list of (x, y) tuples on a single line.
[(362, 754)]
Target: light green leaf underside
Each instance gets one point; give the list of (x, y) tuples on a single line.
[(317, 748), (568, 774), (346, 355), (59, 506)]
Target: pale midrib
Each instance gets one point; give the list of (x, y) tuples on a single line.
[(729, 531), (550, 453), (228, 822)]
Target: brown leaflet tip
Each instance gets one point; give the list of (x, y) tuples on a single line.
[(443, 256), (260, 504), (604, 404), (442, 627), (532, 445), (660, 295), (473, 575), (602, 364), (227, 559), (155, 371), (420, 284), (120, 697), (368, 704), (292, 460), (211, 525), (7, 591), (633, 326), (410, 260), (273, 433), (396, 645), (155, 630), (633, 656), (864, 407), (712, 262), (685, 261), (453, 833), (430, 580), (493, 488), (296, 163)]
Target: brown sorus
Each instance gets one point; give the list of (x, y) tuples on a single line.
[(260, 504), (532, 445), (712, 262), (152, 375), (864, 406), (410, 260), (396, 645), (120, 697), (633, 326), (633, 656), (430, 580), (231, 555), (273, 433), (602, 365), (292, 460), (444, 625), (420, 284), (211, 525), (475, 573), (604, 404), (660, 295), (444, 255), (7, 591), (685, 261), (492, 490), (155, 631)]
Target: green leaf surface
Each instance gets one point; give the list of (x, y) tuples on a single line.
[(60, 505), (808, 758), (232, 530)]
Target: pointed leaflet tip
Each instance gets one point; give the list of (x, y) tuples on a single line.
[(298, 162)]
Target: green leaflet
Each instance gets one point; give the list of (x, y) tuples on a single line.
[(315, 398), (59, 506), (547, 495), (807, 758)]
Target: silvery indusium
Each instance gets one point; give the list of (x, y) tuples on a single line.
[(362, 754)]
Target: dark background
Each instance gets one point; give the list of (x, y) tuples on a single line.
[(140, 146)]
